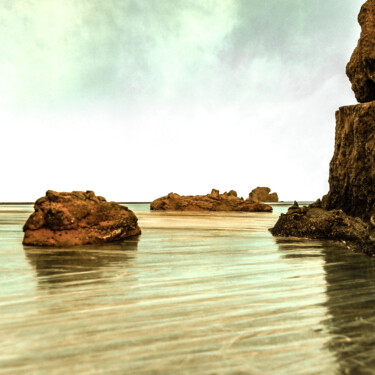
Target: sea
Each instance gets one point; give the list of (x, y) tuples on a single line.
[(196, 293)]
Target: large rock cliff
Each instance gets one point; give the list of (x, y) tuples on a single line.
[(350, 203), (352, 168)]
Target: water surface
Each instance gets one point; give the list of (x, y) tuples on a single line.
[(196, 293)]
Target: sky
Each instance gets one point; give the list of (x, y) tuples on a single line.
[(138, 98)]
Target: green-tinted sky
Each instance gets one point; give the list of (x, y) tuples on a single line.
[(134, 99)]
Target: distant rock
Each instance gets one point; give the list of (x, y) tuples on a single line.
[(210, 202), (263, 194), (361, 67), (77, 218)]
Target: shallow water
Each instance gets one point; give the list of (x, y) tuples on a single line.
[(202, 293)]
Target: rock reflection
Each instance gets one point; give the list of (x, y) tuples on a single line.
[(350, 300), (351, 304), (74, 266), (297, 248)]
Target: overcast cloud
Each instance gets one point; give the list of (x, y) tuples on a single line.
[(134, 99)]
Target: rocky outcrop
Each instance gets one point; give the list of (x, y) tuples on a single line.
[(263, 194), (210, 202), (361, 67), (77, 218), (347, 212)]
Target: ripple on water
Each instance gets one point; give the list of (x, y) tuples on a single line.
[(203, 293)]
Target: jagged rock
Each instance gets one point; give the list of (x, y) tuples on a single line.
[(76, 218), (263, 194), (361, 67), (210, 202)]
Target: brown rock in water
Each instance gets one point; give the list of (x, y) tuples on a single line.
[(210, 202), (263, 194), (361, 67), (77, 218)]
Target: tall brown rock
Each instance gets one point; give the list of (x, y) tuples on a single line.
[(347, 212), (352, 168), (361, 67)]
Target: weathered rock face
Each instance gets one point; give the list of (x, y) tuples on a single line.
[(263, 194), (76, 218), (210, 202), (361, 67), (352, 168)]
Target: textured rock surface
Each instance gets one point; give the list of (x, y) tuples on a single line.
[(76, 218), (361, 67), (352, 168), (263, 194), (210, 202)]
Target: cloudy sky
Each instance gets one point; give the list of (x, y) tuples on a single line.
[(137, 98)]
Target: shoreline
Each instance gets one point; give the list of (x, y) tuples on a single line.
[(23, 203)]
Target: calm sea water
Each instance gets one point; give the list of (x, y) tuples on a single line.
[(196, 293)]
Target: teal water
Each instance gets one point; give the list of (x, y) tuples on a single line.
[(196, 293)]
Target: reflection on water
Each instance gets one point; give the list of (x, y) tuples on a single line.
[(88, 263), (202, 293), (351, 304), (350, 301)]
